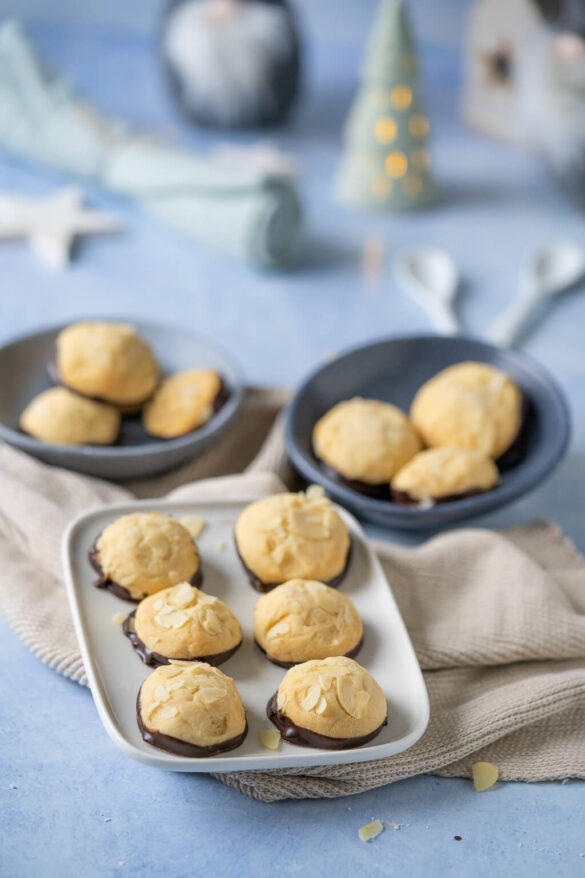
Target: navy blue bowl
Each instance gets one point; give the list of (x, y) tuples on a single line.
[(393, 369)]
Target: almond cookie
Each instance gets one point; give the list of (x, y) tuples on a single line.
[(183, 403), (469, 405), (191, 710), (443, 474), (304, 619), (292, 536), (183, 623), (330, 703), (60, 416), (144, 552), (364, 442), (108, 361)]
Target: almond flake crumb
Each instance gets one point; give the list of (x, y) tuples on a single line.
[(370, 830), (315, 491), (194, 524), (221, 544), (270, 739), (118, 618), (485, 774)]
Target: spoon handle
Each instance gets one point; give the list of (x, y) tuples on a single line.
[(444, 318), (506, 329)]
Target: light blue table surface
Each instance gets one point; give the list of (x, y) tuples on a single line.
[(72, 804)]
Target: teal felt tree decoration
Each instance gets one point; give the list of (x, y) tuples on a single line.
[(386, 162)]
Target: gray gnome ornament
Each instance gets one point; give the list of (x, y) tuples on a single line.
[(232, 63)]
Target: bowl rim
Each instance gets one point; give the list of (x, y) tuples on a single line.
[(502, 494), (111, 452)]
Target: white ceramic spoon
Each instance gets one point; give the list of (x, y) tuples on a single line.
[(430, 276), (553, 269)]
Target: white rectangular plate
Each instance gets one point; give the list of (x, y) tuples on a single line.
[(116, 673)]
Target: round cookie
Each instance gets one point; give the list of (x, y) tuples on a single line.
[(144, 552), (183, 403), (292, 536), (108, 361), (331, 703), (191, 710), (444, 474), (183, 623), (304, 619), (469, 405), (365, 441), (60, 416)]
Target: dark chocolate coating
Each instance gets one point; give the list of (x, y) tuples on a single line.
[(517, 450), (351, 654), (184, 748), (155, 659), (404, 499), (294, 734), (264, 587), (119, 590), (380, 491)]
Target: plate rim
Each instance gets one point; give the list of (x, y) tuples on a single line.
[(394, 513), (106, 453), (216, 764)]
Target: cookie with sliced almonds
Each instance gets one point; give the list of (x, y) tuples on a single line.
[(332, 703), (145, 552), (183, 623), (183, 403), (191, 710), (58, 415), (439, 475), (108, 361), (292, 536), (304, 619)]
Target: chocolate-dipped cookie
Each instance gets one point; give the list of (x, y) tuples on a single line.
[(292, 536), (183, 403), (304, 619), (65, 418), (191, 710), (144, 552), (365, 442), (331, 703), (183, 623), (469, 405), (107, 361), (439, 475)]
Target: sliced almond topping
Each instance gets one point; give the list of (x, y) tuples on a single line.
[(348, 614), (270, 739), (118, 618), (175, 619), (311, 698), (161, 693), (182, 595), (168, 711), (485, 774), (194, 524), (321, 706), (316, 491), (169, 671), (325, 681), (210, 694), (350, 698), (370, 830), (281, 700), (183, 664), (157, 604), (211, 622), (278, 630)]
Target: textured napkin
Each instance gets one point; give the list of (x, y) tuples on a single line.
[(250, 214), (497, 619)]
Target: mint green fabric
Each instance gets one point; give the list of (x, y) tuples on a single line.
[(252, 215)]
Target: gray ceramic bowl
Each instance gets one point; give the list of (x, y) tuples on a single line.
[(392, 370), (23, 374)]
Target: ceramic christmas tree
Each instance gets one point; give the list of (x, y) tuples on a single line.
[(386, 161)]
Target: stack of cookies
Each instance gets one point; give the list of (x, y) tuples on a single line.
[(466, 423), (295, 549), (105, 373)]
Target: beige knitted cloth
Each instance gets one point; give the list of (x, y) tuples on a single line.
[(497, 619)]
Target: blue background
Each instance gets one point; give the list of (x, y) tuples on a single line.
[(71, 803)]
